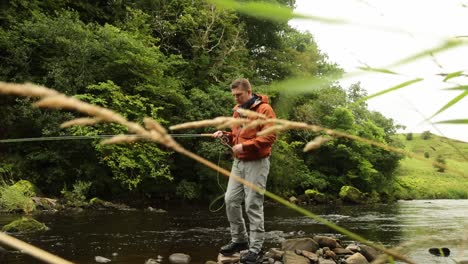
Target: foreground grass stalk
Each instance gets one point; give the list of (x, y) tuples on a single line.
[(32, 250)]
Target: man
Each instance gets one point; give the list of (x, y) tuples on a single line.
[(252, 163)]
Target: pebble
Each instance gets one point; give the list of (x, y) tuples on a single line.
[(179, 258), (100, 259)]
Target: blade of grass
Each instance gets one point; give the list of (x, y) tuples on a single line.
[(461, 87), (452, 75), (270, 11), (391, 89), (451, 103), (448, 44), (377, 70), (453, 121)]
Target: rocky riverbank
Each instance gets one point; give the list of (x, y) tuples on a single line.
[(316, 250)]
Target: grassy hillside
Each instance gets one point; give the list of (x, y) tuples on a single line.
[(417, 179)]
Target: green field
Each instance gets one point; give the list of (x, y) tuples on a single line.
[(418, 179)]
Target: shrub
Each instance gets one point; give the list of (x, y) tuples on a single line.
[(409, 136), (188, 190), (426, 135), (13, 199), (76, 197), (426, 154), (440, 165)]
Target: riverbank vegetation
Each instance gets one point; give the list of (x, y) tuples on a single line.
[(173, 61)]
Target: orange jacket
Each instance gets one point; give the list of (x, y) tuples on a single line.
[(255, 147)]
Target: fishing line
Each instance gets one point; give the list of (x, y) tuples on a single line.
[(224, 141), (36, 139)]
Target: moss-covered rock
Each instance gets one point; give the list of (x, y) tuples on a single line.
[(351, 194), (24, 224), (316, 196), (101, 204), (26, 187), (96, 202)]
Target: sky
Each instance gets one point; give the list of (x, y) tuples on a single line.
[(382, 32)]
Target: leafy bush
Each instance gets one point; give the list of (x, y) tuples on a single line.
[(440, 165), (409, 136), (426, 154), (13, 199), (76, 197), (288, 173), (188, 190), (426, 135)]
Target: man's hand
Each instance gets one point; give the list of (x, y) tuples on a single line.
[(238, 149), (217, 134)]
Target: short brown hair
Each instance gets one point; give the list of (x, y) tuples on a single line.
[(242, 83)]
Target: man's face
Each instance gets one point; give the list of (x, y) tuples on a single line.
[(241, 95)]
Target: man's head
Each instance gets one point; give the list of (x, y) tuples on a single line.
[(241, 90)]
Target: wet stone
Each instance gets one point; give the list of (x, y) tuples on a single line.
[(228, 259), (179, 258), (300, 243), (290, 257), (151, 261), (357, 258), (100, 259), (342, 251)]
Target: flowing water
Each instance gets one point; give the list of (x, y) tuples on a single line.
[(135, 236)]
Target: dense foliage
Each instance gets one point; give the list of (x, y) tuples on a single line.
[(173, 61)]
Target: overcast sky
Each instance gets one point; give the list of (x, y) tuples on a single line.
[(405, 27)]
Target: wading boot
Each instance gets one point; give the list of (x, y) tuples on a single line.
[(232, 247), (251, 258)]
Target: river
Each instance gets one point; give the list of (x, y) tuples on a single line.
[(135, 236)]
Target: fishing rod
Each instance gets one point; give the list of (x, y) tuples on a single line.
[(35, 139)]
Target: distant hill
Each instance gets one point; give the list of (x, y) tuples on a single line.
[(418, 179), (436, 145)]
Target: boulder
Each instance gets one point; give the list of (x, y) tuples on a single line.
[(101, 204), (326, 261), (45, 203), (293, 200), (353, 247), (311, 256), (352, 194), (324, 241), (300, 243), (315, 196), (357, 258), (290, 257), (24, 224), (369, 252)]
